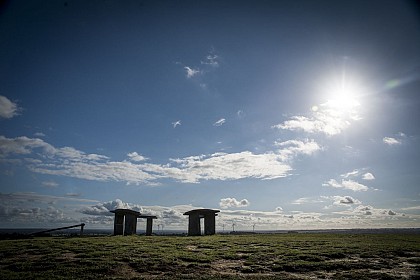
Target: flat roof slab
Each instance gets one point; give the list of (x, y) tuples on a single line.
[(202, 212), (125, 212)]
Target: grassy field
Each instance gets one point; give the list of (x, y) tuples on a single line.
[(258, 256)]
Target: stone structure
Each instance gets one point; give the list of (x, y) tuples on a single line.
[(209, 216), (149, 223), (125, 222)]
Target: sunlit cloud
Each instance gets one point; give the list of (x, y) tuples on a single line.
[(223, 166), (329, 118), (391, 141), (41, 157), (291, 148), (346, 184), (8, 109), (220, 122), (368, 176), (233, 203)]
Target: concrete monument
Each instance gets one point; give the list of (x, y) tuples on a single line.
[(125, 222), (209, 216)]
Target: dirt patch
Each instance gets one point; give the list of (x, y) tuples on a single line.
[(191, 248), (69, 256), (125, 271), (227, 266)]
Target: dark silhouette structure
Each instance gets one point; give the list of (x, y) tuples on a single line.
[(125, 222), (209, 216), (82, 225)]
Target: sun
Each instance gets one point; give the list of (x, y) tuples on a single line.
[(343, 96)]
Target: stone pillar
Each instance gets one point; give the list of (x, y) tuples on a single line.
[(149, 226), (130, 224), (118, 224), (210, 224), (194, 225)]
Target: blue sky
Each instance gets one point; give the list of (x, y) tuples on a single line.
[(283, 114)]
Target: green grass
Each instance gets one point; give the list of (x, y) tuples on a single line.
[(284, 256)]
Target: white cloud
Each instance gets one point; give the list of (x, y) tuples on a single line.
[(240, 114), (344, 200), (191, 72), (233, 203), (292, 148), (391, 141), (211, 60), (41, 198), (134, 156), (39, 134), (346, 184), (175, 124), (392, 213), (37, 210), (307, 200), (219, 122), (353, 173), (327, 118), (104, 208), (222, 166), (50, 184), (41, 157), (368, 176), (73, 194), (8, 109)]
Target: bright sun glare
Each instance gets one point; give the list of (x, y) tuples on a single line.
[(343, 97)]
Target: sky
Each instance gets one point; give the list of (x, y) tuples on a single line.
[(281, 114)]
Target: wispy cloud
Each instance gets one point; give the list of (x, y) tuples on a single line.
[(50, 184), (233, 203), (175, 124), (8, 109), (41, 157), (73, 194), (308, 200), (39, 134), (191, 72), (291, 148), (220, 122), (212, 60), (223, 166), (346, 184)]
